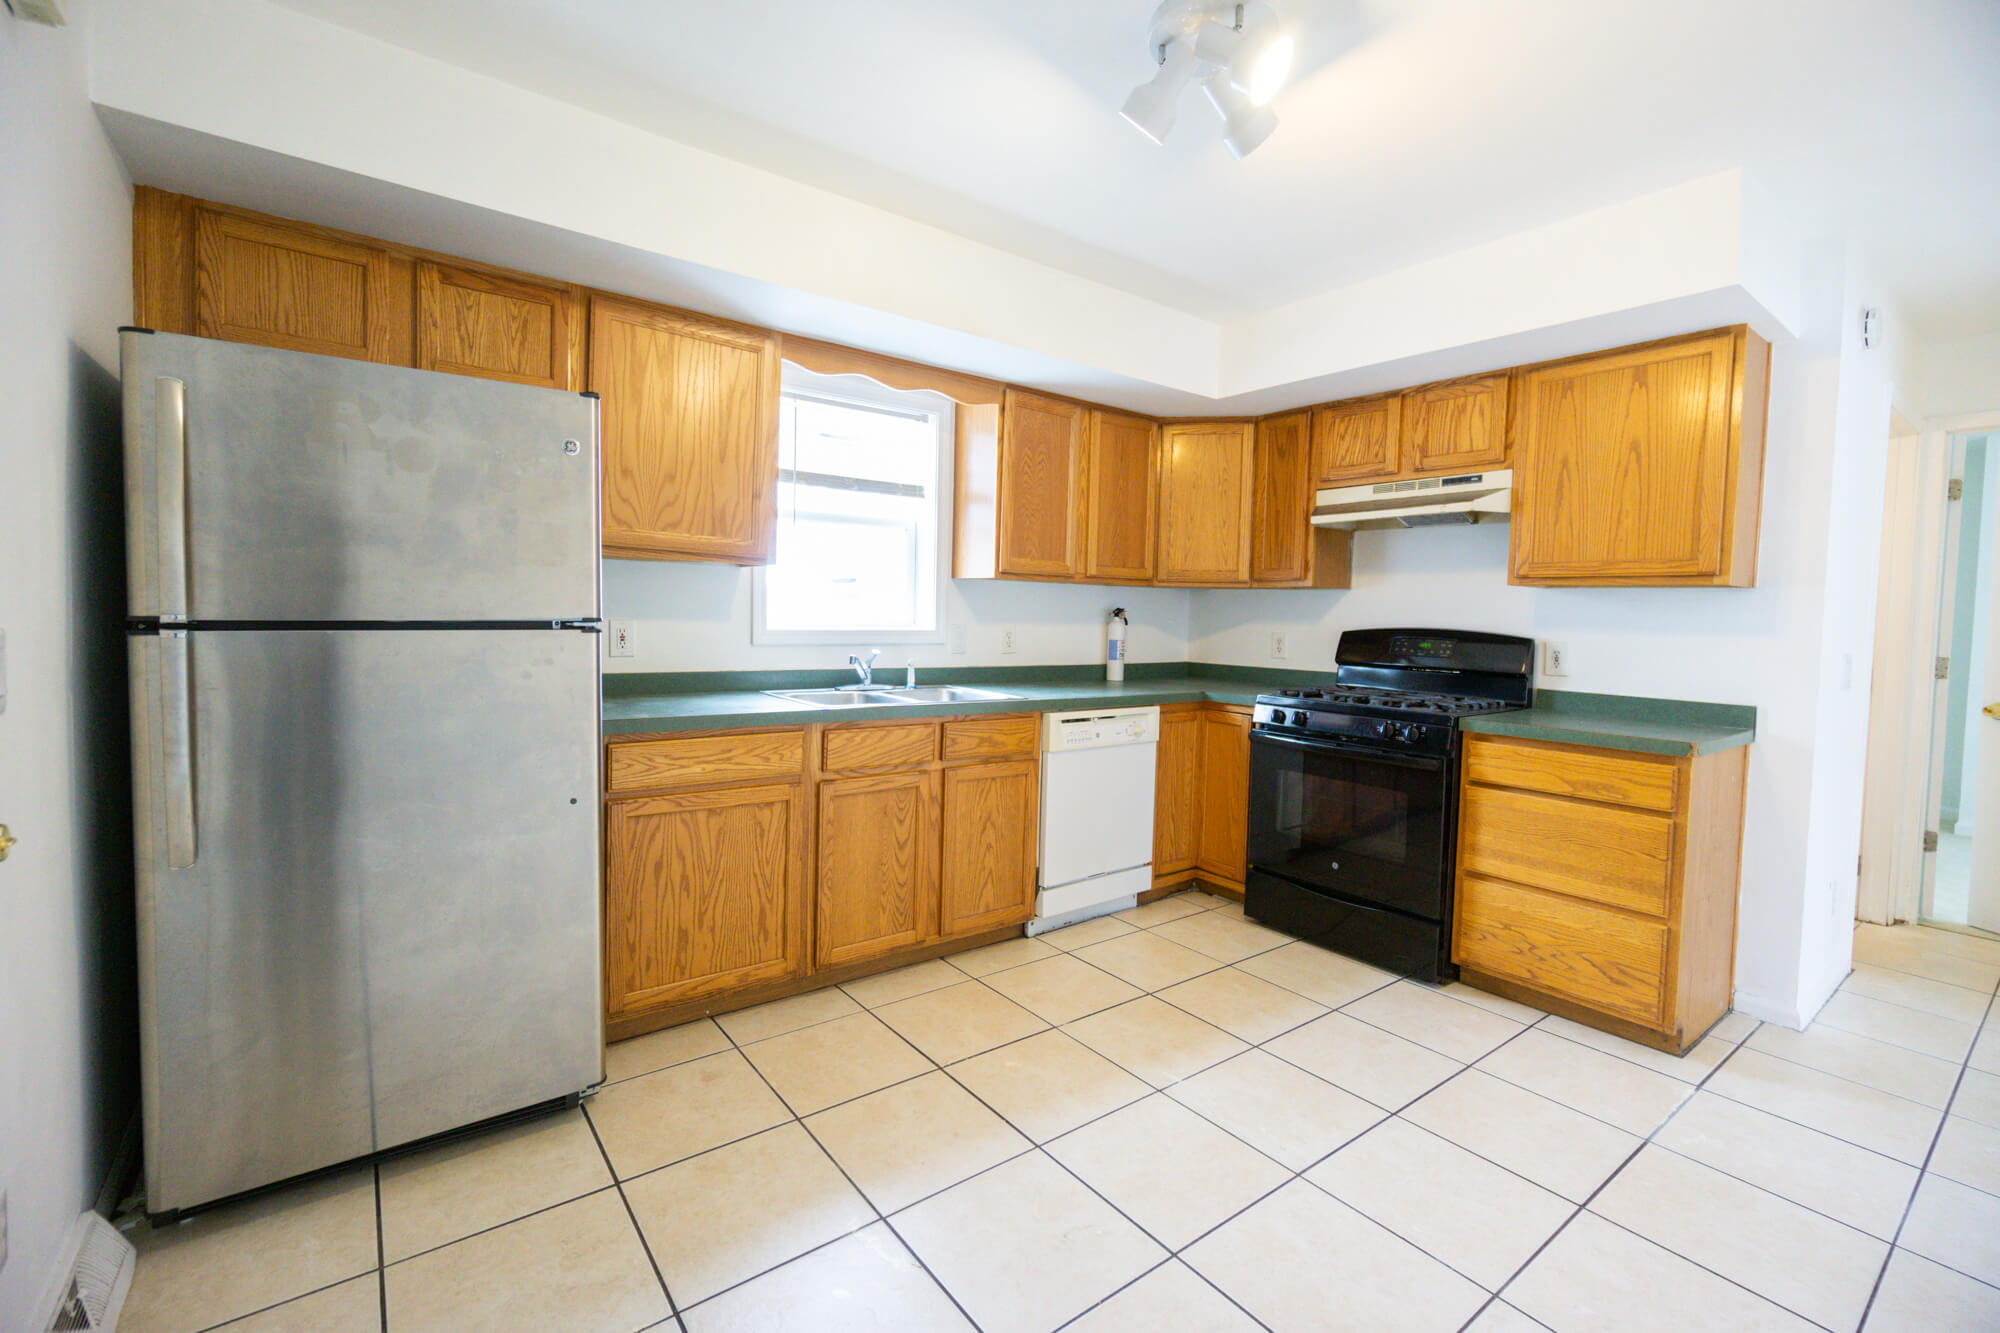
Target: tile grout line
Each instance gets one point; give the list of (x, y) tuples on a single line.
[(645, 1245), (381, 1253)]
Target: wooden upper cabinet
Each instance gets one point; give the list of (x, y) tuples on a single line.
[(1357, 441), (1177, 791), (1643, 466), (878, 865), (1457, 426), (690, 433), (1041, 518), (1206, 489), (1123, 486), (988, 877), (1286, 550), (297, 287), (472, 322), (1224, 835)]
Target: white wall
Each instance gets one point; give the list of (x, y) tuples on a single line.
[(1962, 376), (66, 1075)]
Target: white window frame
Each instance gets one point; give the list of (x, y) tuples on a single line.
[(863, 392)]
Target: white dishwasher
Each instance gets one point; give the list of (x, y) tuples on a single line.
[(1097, 813)]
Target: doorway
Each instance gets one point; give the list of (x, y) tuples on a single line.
[(1970, 759)]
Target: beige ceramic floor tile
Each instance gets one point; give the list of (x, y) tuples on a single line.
[(724, 1217), (1172, 1296), (1811, 1265), (1094, 931), (1277, 1108), (1318, 974), (1596, 1276), (1559, 1149), (1167, 1169), (1933, 1034), (1499, 1004), (1613, 1090), (662, 1117), (1247, 1006), (1208, 902), (354, 1306), (817, 1067), (1456, 1207), (1876, 1120), (1986, 1051), (1147, 961), (1048, 1084), (1978, 1097), (1500, 1317), (1007, 953), (1365, 1060), (958, 1021), (244, 1256), (914, 1139), (1918, 1296), (1693, 1067), (1829, 1175), (1927, 952), (1225, 938), (1154, 1040), (889, 987), (1969, 1153), (1913, 992), (787, 1015), (866, 1283), (1956, 1225), (579, 1267), (1285, 1258), (1025, 1246), (1849, 1055), (1059, 989), (1733, 1027), (1161, 910), (657, 1050), (1447, 1026), (444, 1194)]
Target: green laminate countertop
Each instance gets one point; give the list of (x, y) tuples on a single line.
[(1624, 722)]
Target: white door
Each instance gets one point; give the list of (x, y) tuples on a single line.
[(1982, 738)]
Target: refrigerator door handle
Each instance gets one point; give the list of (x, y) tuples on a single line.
[(170, 500), (177, 748)]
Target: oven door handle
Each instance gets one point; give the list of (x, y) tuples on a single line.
[(1423, 763)]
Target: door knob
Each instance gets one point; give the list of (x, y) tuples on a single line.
[(6, 842), (1991, 710)]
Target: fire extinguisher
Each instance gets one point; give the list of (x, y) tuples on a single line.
[(1114, 645)]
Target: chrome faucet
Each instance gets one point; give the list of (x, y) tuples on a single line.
[(865, 669)]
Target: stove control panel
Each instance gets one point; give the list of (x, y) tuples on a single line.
[(1374, 732)]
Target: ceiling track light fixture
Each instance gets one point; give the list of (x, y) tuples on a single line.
[(1239, 54)]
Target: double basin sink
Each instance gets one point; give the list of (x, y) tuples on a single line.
[(872, 696)]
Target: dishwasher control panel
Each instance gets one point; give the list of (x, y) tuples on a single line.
[(1094, 729)]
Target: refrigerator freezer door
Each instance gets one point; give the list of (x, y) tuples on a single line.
[(269, 485), (387, 925)]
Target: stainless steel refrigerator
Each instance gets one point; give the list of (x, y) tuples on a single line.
[(365, 736)]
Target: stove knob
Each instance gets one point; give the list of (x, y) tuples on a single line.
[(1385, 729), (1407, 733)]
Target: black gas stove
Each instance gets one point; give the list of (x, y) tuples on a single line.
[(1353, 791)]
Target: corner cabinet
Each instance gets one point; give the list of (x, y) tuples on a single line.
[(690, 433), (1206, 493), (1643, 466)]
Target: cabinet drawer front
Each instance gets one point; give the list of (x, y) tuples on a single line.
[(1610, 961), (1621, 857), (686, 761), (897, 745), (1593, 775), (991, 737)]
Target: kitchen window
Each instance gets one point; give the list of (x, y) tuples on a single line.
[(860, 480)]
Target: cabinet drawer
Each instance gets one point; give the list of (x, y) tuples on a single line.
[(1599, 852), (699, 759), (1593, 775), (991, 737), (1612, 962), (894, 745)]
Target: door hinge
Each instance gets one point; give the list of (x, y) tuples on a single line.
[(1944, 668), (1954, 489), (1930, 840)]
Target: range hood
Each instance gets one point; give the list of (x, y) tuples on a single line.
[(1422, 503)]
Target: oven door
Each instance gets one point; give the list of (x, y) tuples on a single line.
[(1351, 821)]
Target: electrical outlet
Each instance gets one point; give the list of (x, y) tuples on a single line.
[(958, 640), (1555, 658), (1007, 639), (1277, 645), (618, 634)]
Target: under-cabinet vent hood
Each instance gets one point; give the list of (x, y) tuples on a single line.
[(1421, 503)]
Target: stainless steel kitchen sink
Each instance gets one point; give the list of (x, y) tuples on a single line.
[(949, 694), (875, 698)]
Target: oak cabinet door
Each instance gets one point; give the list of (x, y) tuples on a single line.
[(1123, 485), (704, 893), (989, 846), (1642, 466), (690, 433), (1225, 794), (1205, 502), (470, 322), (1281, 513), (1458, 426), (1177, 790), (298, 288), (1041, 486), (1357, 441), (878, 871)]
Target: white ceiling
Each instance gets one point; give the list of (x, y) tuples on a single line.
[(1411, 129)]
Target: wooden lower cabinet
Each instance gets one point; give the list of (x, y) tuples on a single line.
[(1601, 884), (1177, 794), (989, 841), (1225, 794), (878, 865)]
